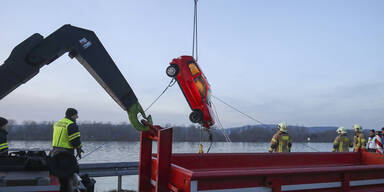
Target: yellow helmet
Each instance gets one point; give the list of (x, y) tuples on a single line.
[(357, 128), (283, 127)]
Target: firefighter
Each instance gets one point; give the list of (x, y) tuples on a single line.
[(281, 141), (66, 134), (342, 143), (359, 139), (3, 137), (371, 144)]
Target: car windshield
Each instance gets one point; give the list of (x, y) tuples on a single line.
[(193, 68), (201, 86)]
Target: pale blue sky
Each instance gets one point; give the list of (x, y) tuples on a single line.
[(305, 62)]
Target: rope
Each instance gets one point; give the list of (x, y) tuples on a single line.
[(234, 108), (171, 83), (219, 122), (314, 149), (194, 43), (97, 148), (250, 117), (210, 140)]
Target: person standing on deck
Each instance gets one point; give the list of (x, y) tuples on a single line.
[(66, 134), (342, 143), (359, 139), (66, 139), (371, 144), (281, 141)]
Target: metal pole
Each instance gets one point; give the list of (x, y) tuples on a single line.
[(119, 183)]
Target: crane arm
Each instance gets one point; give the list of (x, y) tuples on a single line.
[(33, 53)]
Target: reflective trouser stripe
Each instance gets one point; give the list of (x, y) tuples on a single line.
[(3, 146)]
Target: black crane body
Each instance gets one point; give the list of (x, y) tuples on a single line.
[(36, 51)]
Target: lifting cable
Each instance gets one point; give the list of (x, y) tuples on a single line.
[(201, 151), (227, 139), (250, 117), (234, 108), (312, 148), (171, 83), (195, 55), (194, 43)]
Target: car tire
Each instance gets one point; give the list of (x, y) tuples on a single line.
[(172, 70), (196, 116)]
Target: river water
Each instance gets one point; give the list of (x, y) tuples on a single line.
[(129, 151)]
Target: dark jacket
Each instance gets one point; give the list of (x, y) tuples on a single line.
[(73, 128)]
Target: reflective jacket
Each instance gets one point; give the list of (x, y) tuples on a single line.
[(359, 142), (3, 142), (342, 144), (281, 142), (66, 134), (371, 144)]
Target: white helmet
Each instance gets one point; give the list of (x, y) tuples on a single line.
[(283, 127), (341, 130), (357, 128)]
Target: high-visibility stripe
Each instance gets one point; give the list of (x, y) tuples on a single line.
[(3, 144), (74, 136), (5, 147)]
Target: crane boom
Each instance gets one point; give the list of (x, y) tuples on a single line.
[(36, 51)]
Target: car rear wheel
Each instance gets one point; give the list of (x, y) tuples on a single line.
[(196, 116), (172, 70)]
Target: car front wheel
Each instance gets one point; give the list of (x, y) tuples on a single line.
[(172, 70), (196, 116)]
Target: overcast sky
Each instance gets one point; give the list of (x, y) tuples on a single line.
[(304, 62)]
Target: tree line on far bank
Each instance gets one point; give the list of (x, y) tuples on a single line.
[(98, 131)]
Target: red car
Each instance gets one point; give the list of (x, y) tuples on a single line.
[(195, 87)]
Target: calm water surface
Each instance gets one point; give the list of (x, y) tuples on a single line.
[(129, 151)]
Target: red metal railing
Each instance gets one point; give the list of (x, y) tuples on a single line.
[(355, 171)]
